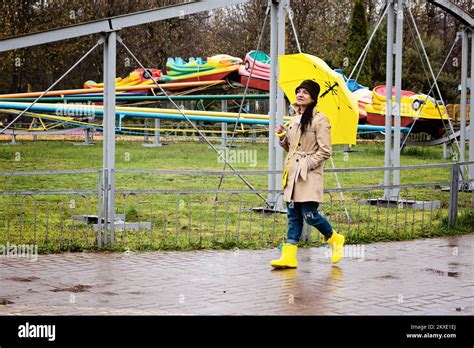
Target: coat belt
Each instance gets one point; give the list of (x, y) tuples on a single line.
[(302, 168)]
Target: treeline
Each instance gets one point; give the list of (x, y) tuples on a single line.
[(336, 31)]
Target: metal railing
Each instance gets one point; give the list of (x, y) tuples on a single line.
[(193, 218)]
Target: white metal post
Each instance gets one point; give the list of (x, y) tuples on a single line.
[(224, 124), (108, 149), (280, 98), (464, 57), (388, 95), (272, 141), (471, 116), (156, 135), (156, 139), (145, 136), (398, 98)]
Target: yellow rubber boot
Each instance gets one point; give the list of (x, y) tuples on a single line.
[(336, 242), (288, 257)]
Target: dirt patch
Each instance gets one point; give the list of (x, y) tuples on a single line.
[(75, 288), (23, 279), (4, 302)]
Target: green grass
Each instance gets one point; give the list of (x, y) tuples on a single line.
[(176, 222), (47, 155)]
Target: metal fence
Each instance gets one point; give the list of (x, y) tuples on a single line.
[(196, 219)]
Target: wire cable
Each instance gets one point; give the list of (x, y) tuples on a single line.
[(119, 39), (101, 40)]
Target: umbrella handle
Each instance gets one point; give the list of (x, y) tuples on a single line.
[(284, 132)]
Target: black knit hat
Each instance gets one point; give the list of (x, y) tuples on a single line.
[(312, 88)]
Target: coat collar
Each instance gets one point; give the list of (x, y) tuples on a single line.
[(296, 109)]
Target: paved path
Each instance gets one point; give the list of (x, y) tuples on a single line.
[(431, 276)]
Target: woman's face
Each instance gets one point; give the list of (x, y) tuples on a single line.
[(303, 98)]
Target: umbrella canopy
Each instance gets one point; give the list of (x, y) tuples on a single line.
[(335, 100)]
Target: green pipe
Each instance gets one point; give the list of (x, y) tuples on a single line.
[(137, 98)]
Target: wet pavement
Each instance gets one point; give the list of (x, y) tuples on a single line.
[(423, 277)]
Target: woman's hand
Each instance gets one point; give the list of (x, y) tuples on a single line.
[(280, 131)]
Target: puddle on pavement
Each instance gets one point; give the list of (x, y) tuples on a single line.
[(453, 242), (379, 259), (305, 271), (285, 274), (75, 288), (336, 273), (387, 276), (109, 293), (442, 273), (455, 265)]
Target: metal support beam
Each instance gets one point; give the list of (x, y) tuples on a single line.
[(464, 70), (224, 125), (87, 136), (398, 98), (145, 134), (280, 97), (108, 149), (471, 116), (112, 23), (156, 137), (453, 196), (462, 16), (388, 95), (272, 141)]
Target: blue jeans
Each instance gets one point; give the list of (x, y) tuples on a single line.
[(307, 211)]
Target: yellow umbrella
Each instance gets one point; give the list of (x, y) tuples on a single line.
[(335, 100)]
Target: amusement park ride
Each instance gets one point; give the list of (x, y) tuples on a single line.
[(76, 107), (107, 106)]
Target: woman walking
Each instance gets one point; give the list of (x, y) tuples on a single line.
[(308, 143)]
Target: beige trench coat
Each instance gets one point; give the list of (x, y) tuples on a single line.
[(306, 171)]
